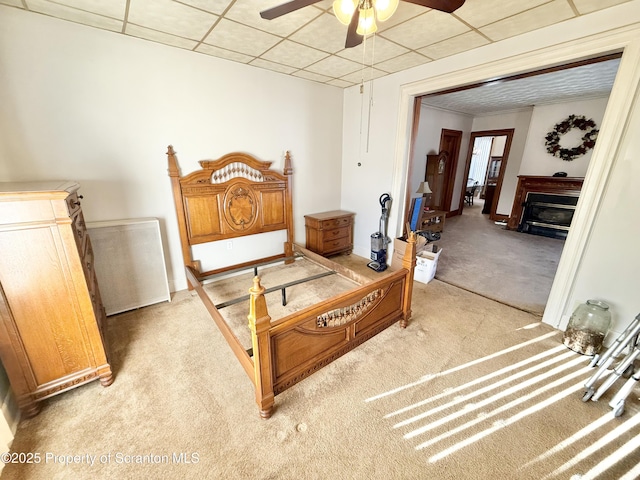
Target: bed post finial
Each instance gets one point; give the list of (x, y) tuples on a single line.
[(287, 163), (408, 263), (259, 324), (174, 170)]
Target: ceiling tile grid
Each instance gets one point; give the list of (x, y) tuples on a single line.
[(309, 42)]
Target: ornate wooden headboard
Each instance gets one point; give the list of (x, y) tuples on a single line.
[(234, 196)]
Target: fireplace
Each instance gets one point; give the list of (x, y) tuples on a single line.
[(548, 214), (544, 205)]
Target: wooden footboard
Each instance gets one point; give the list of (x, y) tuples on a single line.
[(290, 349)]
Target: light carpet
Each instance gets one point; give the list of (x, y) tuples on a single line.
[(505, 265), (470, 389)]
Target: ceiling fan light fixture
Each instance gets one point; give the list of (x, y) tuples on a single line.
[(343, 10), (367, 22), (385, 8)]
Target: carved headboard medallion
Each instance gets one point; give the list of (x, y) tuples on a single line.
[(240, 210)]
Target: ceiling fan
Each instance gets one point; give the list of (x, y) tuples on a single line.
[(360, 15)]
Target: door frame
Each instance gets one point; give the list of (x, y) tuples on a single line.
[(508, 132)]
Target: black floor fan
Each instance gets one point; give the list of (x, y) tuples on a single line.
[(380, 240)]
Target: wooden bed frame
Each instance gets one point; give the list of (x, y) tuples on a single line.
[(238, 195)]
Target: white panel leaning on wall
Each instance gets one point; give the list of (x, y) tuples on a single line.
[(129, 263)]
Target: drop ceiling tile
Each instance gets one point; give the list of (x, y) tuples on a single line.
[(247, 12), (12, 3), (234, 36), (294, 54), (366, 75), (155, 36), (324, 33), (451, 46), (340, 83), (276, 67), (312, 76), (113, 8), (214, 6), (334, 66), (75, 15), (426, 29), (547, 14), (376, 48), (171, 17), (223, 53), (404, 12), (403, 62), (485, 12), (588, 6)]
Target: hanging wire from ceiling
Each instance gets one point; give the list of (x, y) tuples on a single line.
[(370, 99)]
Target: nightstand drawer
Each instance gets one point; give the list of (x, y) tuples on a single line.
[(335, 223), (338, 244), (336, 233)]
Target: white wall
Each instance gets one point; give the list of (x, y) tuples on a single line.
[(519, 120), (588, 35), (100, 108), (609, 271), (535, 158)]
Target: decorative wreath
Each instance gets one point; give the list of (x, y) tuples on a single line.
[(552, 140)]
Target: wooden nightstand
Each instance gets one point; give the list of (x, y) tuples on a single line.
[(329, 233), (433, 221)]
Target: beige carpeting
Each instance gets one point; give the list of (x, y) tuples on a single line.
[(510, 267), (471, 389)]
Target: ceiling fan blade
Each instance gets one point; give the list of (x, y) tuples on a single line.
[(292, 6), (353, 38), (447, 6)]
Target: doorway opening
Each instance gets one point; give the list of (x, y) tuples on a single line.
[(499, 164)]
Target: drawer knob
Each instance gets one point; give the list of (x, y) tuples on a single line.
[(76, 203)]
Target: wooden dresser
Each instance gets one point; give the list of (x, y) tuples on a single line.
[(329, 233), (51, 314)]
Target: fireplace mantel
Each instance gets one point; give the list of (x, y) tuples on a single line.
[(540, 184)]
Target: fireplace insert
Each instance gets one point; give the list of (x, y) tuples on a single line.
[(548, 214)]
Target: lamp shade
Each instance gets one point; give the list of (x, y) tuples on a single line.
[(343, 10), (367, 22), (385, 8), (424, 188)]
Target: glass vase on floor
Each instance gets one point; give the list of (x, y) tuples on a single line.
[(587, 327)]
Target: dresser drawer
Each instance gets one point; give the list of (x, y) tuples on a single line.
[(80, 231), (335, 223), (87, 265), (336, 233), (338, 244), (73, 203)]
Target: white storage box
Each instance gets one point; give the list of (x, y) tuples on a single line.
[(399, 247), (426, 264)]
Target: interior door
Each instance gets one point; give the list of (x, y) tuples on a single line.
[(435, 176), (441, 170)]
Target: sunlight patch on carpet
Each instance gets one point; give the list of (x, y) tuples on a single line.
[(477, 381), (490, 400), (601, 443), (429, 377), (494, 386), (509, 421)]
